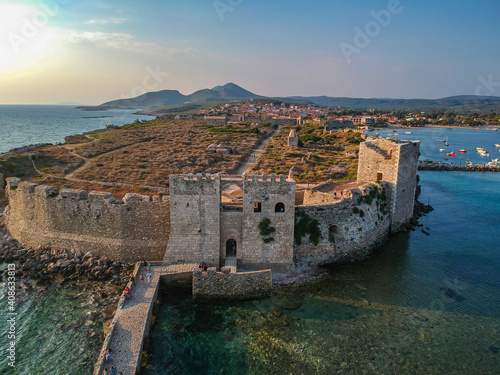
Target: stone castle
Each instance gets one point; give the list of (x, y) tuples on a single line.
[(271, 224)]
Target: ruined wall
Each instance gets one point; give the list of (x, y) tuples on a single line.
[(195, 219), (395, 163), (272, 193), (131, 229), (345, 235), (404, 196), (244, 285)]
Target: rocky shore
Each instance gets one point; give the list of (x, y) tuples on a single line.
[(438, 166)]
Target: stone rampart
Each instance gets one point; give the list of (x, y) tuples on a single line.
[(231, 286), (346, 233), (131, 229)]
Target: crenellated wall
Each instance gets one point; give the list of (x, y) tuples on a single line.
[(345, 235), (131, 229)]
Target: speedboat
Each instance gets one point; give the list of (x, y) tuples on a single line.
[(410, 133), (452, 154), (497, 144), (442, 150), (462, 151)]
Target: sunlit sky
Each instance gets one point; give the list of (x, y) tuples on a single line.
[(92, 51)]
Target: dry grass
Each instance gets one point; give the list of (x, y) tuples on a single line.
[(53, 160), (320, 157)]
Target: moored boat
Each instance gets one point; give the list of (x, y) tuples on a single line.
[(442, 150), (452, 154), (462, 151)]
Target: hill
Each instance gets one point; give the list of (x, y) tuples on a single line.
[(230, 91)]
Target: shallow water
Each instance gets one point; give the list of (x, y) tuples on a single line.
[(420, 305)]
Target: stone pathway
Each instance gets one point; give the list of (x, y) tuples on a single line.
[(134, 318)]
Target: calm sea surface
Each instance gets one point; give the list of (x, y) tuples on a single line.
[(22, 125), (423, 304), (458, 139)]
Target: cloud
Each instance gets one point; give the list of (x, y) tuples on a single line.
[(119, 41), (106, 21), (124, 42)]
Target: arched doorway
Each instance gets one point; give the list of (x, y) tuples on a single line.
[(230, 248)]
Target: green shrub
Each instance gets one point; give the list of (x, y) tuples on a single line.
[(305, 225), (309, 137), (265, 228), (268, 239)]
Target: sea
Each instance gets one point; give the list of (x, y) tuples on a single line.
[(426, 302), (23, 125)]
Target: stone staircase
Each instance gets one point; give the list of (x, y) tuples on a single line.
[(231, 263)]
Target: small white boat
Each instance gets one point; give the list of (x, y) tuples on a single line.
[(442, 150), (497, 144), (410, 133), (495, 161), (395, 134), (479, 149)]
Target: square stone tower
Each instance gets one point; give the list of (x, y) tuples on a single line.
[(195, 219), (396, 163)]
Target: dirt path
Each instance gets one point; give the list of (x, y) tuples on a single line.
[(245, 167)]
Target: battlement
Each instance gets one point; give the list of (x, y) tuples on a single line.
[(189, 184), (15, 186), (266, 178)]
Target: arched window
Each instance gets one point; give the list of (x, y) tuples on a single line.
[(280, 207)]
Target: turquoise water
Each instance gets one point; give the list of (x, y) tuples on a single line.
[(458, 139), (58, 329), (422, 304), (22, 125)]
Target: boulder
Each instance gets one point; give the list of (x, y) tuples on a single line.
[(88, 255), (63, 263)]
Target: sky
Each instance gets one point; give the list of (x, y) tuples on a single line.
[(93, 51)]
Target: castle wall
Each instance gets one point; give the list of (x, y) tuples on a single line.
[(345, 235), (241, 285), (131, 229), (195, 219)]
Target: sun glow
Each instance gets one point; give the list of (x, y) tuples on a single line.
[(26, 36)]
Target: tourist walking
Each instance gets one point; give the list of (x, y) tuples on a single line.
[(141, 278), (149, 277), (112, 370)]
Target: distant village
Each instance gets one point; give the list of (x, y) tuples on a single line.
[(330, 118)]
